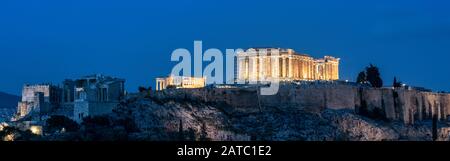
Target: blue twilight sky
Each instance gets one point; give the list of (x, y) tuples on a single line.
[(49, 40)]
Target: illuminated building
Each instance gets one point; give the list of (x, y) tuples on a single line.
[(259, 64), (179, 82)]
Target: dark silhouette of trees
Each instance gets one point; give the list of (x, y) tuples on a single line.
[(57, 123), (371, 75), (396, 83), (374, 76), (107, 128), (142, 89), (361, 78)]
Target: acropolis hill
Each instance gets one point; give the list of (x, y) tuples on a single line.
[(302, 110), (314, 84), (311, 104), (401, 104)]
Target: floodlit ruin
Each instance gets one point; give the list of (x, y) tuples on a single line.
[(179, 82), (258, 64)]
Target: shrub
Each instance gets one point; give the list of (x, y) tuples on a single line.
[(57, 123)]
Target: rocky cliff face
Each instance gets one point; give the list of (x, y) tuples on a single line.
[(311, 112), (185, 119), (407, 106)]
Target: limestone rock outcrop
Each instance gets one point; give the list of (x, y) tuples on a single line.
[(199, 120), (307, 111)]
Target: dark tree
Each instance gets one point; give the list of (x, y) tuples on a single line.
[(374, 76), (127, 123), (190, 135), (145, 91), (97, 121), (14, 134), (57, 123), (396, 83), (361, 78), (107, 128), (149, 92)]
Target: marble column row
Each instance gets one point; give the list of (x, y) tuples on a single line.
[(283, 67), (160, 84)]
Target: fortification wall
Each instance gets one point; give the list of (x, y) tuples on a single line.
[(312, 96), (391, 104)]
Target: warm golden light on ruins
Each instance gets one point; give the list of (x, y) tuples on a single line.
[(259, 64), (179, 82)]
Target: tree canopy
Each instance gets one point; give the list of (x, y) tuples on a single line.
[(57, 123), (371, 75)]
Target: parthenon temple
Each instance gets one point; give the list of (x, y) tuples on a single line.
[(260, 64), (179, 82)]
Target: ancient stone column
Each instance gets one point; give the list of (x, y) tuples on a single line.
[(295, 70), (283, 72), (310, 70), (280, 67), (304, 75), (317, 71), (275, 66), (247, 68), (306, 69), (250, 68), (262, 67), (330, 72), (299, 72), (254, 68), (337, 71), (333, 73), (300, 69), (268, 66), (290, 68), (240, 68)]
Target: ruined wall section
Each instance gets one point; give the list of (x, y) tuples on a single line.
[(313, 96), (405, 105)]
